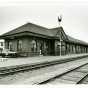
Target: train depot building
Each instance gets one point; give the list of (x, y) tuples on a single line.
[(31, 40)]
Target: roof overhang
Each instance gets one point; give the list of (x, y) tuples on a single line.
[(26, 33)]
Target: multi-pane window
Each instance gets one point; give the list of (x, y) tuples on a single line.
[(34, 46), (10, 46), (19, 44)]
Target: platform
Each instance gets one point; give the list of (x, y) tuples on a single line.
[(11, 62)]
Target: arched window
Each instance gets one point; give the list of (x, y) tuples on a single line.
[(33, 46), (19, 44), (10, 46)]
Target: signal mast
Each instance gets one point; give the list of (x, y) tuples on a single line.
[(59, 21)]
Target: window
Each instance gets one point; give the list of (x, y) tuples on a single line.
[(1, 43), (10, 46), (33, 46), (19, 45)]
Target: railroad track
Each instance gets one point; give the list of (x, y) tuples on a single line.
[(77, 75), (11, 70)]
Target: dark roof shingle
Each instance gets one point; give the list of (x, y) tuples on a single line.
[(71, 39), (30, 27)]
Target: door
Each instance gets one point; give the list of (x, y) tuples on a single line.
[(52, 47)]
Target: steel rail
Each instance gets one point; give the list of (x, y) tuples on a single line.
[(58, 76), (7, 71)]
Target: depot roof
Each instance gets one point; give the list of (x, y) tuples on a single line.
[(36, 29)]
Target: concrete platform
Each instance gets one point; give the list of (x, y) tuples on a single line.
[(11, 62)]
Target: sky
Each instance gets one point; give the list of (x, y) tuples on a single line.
[(14, 13)]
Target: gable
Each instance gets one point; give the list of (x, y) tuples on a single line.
[(62, 33)]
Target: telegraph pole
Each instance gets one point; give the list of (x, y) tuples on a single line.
[(59, 21)]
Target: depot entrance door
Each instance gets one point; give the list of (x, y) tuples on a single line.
[(51, 47)]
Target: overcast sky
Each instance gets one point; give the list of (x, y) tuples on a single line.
[(45, 13)]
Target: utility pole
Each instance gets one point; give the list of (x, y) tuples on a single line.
[(59, 21)]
